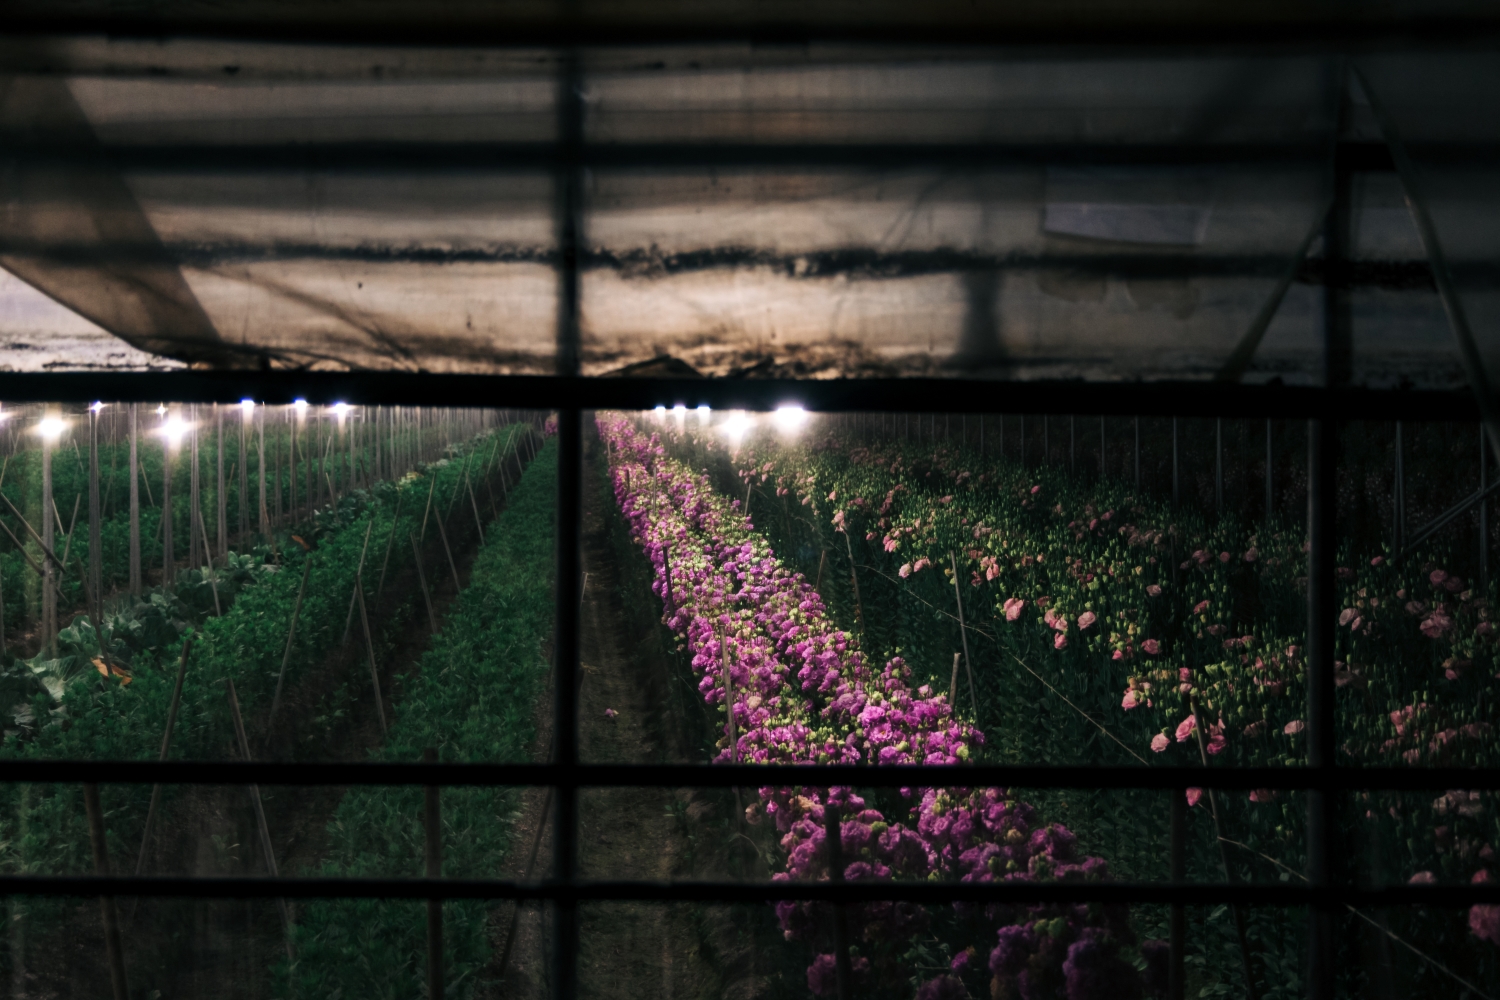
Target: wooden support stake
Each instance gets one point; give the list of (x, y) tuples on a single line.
[(422, 579), (291, 633), (114, 950), (166, 744), (432, 826), (135, 504), (260, 816), (208, 561), (475, 504), (364, 620), (958, 598), (443, 535), (349, 618), (834, 840), (390, 539), (96, 545), (953, 682), (859, 607)]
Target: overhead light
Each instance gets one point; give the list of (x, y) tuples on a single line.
[(300, 404), (790, 418), (703, 413), (173, 430), (96, 407), (247, 406), (161, 410), (737, 426), (51, 428)]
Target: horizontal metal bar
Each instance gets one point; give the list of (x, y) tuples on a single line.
[(926, 395), (1059, 29), (745, 775), (491, 157), (1276, 894)]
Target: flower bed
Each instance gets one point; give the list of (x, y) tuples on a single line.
[(797, 690)]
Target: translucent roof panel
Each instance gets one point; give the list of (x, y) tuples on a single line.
[(809, 211)]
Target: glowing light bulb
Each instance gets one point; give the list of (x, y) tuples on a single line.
[(51, 428), (173, 430), (737, 426), (661, 413), (790, 418), (341, 408), (703, 413), (96, 407), (301, 405), (161, 410)]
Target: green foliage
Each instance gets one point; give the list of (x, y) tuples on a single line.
[(473, 700)]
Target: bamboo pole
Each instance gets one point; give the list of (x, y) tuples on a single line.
[(167, 560), (195, 495), (389, 541), (964, 633), (49, 583), (208, 562), (422, 580), (443, 535), (349, 618), (166, 745), (135, 503), (260, 463), (364, 620), (286, 653), (243, 524), (221, 501), (260, 815), (478, 523), (113, 949), (96, 544)]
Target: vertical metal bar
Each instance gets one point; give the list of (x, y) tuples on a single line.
[(432, 829), (135, 502), (113, 947), (1322, 541), (1177, 971), (570, 112)]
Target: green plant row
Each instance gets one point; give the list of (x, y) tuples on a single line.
[(22, 486), (42, 827), (473, 699)]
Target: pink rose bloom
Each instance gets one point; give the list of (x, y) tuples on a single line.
[(1437, 576), (904, 571), (1185, 728), (1377, 560), (1194, 796), (1061, 642), (1294, 727), (1200, 607), (1422, 878), (1035, 490), (920, 565), (1159, 742), (1263, 795), (1086, 619), (1151, 646), (1153, 590), (610, 713), (1251, 554), (1484, 919), (1435, 625), (1132, 699), (1013, 608), (1346, 615), (1224, 557)]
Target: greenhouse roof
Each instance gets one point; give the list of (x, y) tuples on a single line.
[(1031, 191)]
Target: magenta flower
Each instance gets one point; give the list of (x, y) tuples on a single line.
[(1200, 607), (1060, 641), (1013, 608), (1185, 728), (1294, 727), (1086, 619), (904, 571), (1194, 796), (1159, 742), (1437, 576), (1151, 647), (610, 713)]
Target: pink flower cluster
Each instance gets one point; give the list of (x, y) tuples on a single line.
[(800, 691)]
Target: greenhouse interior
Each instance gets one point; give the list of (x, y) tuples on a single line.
[(458, 461)]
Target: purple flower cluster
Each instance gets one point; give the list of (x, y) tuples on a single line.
[(797, 690)]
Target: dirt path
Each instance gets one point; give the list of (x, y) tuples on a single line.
[(628, 951)]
